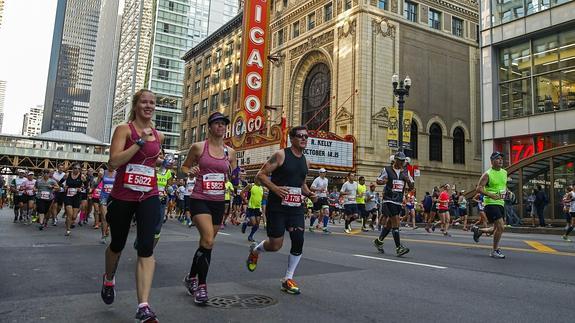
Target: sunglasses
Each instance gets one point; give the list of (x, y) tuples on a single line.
[(77, 168), (301, 136)]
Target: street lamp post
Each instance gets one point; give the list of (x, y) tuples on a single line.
[(400, 90)]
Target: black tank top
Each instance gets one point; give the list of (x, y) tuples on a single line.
[(291, 173), (395, 186), (75, 183)]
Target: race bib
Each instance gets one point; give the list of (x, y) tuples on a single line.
[(502, 194), (397, 185), (107, 188), (190, 187), (96, 193), (29, 192), (140, 178), (72, 191), (45, 195), (213, 184), (293, 198)]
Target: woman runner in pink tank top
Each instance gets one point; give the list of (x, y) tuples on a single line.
[(134, 153), (212, 162)]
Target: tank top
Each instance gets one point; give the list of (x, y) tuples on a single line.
[(136, 180), (360, 198), (256, 197), (107, 185), (211, 181), (395, 187), (290, 174), (497, 184)]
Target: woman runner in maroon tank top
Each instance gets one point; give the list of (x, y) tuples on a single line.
[(135, 152), (212, 162)]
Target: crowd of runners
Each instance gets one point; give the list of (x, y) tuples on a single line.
[(139, 186)]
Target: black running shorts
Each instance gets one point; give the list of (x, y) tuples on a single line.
[(350, 209), (43, 206), (321, 202), (253, 212), (390, 209), (73, 201), (494, 212), (214, 208), (280, 219)]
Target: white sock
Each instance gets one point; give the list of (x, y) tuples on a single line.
[(260, 248), (293, 261)]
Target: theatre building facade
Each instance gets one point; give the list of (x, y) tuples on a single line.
[(330, 68)]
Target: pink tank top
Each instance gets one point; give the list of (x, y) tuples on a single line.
[(211, 181), (136, 180)]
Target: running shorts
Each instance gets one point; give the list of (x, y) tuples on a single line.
[(214, 208), (181, 204), (253, 212), (494, 212), (43, 206), (73, 201), (278, 220), (321, 202), (361, 210), (186, 203), (83, 196), (60, 198), (390, 209), (237, 200), (95, 200), (462, 212), (350, 209)]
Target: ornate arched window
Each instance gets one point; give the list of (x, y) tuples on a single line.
[(316, 98), (458, 146), (435, 144), (412, 151)]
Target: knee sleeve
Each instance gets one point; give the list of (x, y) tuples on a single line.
[(296, 237)]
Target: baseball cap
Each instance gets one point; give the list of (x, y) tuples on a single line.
[(218, 116), (30, 173), (322, 170), (399, 155), (495, 155)]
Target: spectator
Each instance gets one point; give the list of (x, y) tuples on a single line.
[(540, 203)]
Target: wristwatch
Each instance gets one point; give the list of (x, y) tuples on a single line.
[(140, 142)]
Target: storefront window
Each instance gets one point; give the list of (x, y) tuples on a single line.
[(567, 48), (545, 54), (514, 62), (535, 176), (515, 99)]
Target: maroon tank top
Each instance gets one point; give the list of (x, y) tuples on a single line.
[(211, 181), (136, 180)]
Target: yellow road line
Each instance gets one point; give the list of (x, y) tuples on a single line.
[(539, 246), (469, 245)]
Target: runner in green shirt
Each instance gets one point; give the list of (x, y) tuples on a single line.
[(254, 210)]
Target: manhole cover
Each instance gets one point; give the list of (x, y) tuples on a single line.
[(241, 301)]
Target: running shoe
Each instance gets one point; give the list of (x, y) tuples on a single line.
[(347, 230), (289, 286), (378, 245), (476, 233), (446, 234), (433, 227), (108, 292), (103, 240), (68, 233), (145, 315), (201, 295), (252, 261), (497, 254), (401, 250), (191, 284), (311, 229), (415, 228), (251, 239), (371, 227), (54, 222), (566, 238), (325, 230), (364, 229)]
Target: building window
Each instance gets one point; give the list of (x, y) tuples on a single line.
[(208, 62), (206, 82), (228, 71), (285, 3), (280, 36), (216, 78), (328, 12), (226, 97), (198, 68), (203, 132), (171, 5), (410, 11), (163, 75), (457, 27), (204, 106), (435, 144), (214, 102), (229, 49), (218, 56), (164, 62), (316, 98), (195, 110), (348, 4), (434, 19), (295, 29), (382, 4), (311, 21), (193, 135), (185, 114), (458, 146), (412, 151), (196, 87)]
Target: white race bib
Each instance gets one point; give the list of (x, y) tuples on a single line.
[(140, 178), (397, 185), (108, 188), (213, 184), (72, 191), (45, 195), (293, 198)]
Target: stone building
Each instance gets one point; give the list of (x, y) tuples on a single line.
[(331, 68)]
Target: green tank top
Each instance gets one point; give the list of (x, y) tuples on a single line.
[(360, 199), (497, 185), (256, 196), (163, 179)]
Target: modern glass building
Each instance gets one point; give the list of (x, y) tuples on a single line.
[(71, 66), (528, 93)]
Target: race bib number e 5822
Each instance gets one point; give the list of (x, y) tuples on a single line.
[(213, 184), (140, 178), (293, 198)]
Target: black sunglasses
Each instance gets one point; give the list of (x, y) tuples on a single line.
[(301, 136)]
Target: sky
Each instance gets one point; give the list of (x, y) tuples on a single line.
[(25, 42)]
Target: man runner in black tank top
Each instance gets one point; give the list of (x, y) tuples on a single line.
[(288, 168)]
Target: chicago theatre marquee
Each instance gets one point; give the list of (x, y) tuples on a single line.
[(329, 66)]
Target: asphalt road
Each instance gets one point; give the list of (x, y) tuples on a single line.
[(48, 277)]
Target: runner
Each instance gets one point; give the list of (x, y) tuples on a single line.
[(478, 198), (238, 202), (18, 196), (58, 203), (106, 186), (371, 205), (94, 195), (84, 214), (163, 176), (434, 204), (443, 209), (462, 201), (493, 186), (171, 193), (410, 206), (321, 207), (227, 199), (211, 161), (360, 200), (72, 185), (288, 168), (181, 203), (395, 179), (349, 193), (190, 183), (29, 197), (45, 187), (570, 205), (134, 152), (253, 213), (426, 203)]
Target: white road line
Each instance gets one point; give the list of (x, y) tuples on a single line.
[(226, 234), (402, 262)]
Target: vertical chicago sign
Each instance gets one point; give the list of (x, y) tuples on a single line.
[(254, 68)]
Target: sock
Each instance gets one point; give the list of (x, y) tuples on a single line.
[(384, 233), (395, 233), (254, 229), (141, 305), (568, 230), (311, 221), (293, 261), (203, 264), (260, 248), (325, 221), (106, 280)]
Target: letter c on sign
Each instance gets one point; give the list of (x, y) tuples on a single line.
[(257, 39), (252, 103)]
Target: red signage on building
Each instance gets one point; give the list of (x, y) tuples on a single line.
[(254, 68)]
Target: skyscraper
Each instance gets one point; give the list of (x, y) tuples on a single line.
[(151, 48), (2, 97), (32, 121), (71, 66), (105, 65)]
